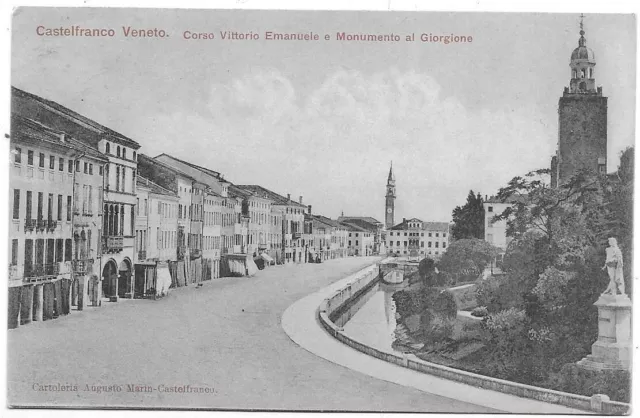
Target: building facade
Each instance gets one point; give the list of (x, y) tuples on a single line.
[(41, 227), (415, 238)]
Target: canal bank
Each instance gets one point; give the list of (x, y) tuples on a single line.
[(302, 322)]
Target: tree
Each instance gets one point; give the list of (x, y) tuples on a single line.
[(468, 220), (427, 270), (465, 259)]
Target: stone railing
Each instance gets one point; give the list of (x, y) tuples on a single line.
[(330, 308)]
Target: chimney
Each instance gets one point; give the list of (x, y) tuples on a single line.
[(300, 199), (288, 196), (486, 197), (309, 209), (404, 220)]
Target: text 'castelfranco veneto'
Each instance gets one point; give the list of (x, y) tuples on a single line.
[(76, 31)]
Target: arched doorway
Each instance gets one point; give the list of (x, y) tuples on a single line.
[(109, 279), (124, 278)]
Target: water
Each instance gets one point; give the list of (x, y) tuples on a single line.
[(372, 318)]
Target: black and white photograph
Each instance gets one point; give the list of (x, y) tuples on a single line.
[(320, 211)]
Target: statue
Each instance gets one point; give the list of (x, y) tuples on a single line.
[(613, 264)]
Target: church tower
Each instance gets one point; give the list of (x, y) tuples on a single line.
[(582, 112), (390, 199)]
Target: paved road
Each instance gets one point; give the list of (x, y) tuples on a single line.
[(225, 335)]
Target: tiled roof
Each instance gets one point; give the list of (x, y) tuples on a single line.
[(82, 123), (361, 218), (153, 187), (197, 167), (274, 197), (354, 227)]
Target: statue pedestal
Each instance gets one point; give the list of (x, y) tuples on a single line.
[(612, 351)]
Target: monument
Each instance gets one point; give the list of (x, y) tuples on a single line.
[(612, 350)]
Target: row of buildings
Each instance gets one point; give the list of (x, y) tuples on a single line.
[(94, 220)]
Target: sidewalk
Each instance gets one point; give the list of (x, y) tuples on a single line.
[(300, 323)]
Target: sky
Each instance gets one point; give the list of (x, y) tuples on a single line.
[(324, 119)]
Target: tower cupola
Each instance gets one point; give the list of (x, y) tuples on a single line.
[(582, 64)]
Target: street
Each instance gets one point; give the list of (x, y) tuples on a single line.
[(225, 335)]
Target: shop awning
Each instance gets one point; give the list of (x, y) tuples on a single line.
[(266, 257)]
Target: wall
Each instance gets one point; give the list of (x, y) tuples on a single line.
[(369, 276)]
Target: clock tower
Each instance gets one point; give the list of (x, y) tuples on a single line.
[(390, 199)]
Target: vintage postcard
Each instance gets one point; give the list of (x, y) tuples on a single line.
[(321, 210)]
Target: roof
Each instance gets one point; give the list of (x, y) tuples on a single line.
[(197, 167), (426, 226), (368, 219), (354, 227), (142, 157), (509, 200), (85, 128), (274, 197), (24, 127), (153, 187)]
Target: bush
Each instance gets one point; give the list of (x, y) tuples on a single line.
[(572, 378), (480, 311), (439, 329), (504, 327), (445, 305)]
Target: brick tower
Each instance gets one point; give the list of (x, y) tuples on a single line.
[(582, 112)]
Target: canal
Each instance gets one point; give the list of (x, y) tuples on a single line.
[(371, 319)]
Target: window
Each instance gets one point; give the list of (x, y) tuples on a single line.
[(50, 207), (444, 235), (118, 150), (107, 148), (68, 208), (70, 166), (40, 204), (17, 157), (14, 252), (30, 157), (429, 245), (91, 169), (41, 160), (437, 234), (77, 166), (86, 168), (444, 245), (490, 209), (29, 204), (59, 207), (52, 162), (61, 164), (67, 248), (134, 155), (100, 170), (437, 244), (59, 250), (124, 153), (16, 203), (356, 243)]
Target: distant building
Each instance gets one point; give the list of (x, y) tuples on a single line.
[(582, 114), (495, 233), (359, 240), (372, 225), (418, 239)]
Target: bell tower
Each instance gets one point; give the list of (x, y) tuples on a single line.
[(390, 199), (582, 119)]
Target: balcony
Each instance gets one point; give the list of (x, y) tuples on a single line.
[(142, 255), (112, 244), (30, 224), (51, 225), (81, 266), (195, 253), (296, 235), (40, 272), (41, 225)]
